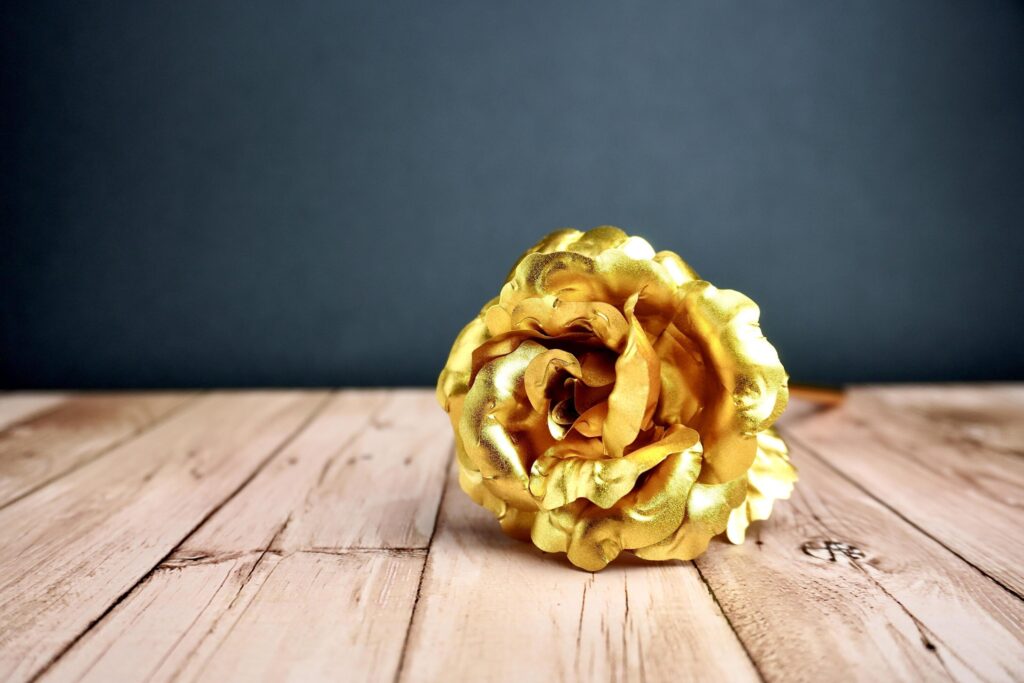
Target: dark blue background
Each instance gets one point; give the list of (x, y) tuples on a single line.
[(259, 193)]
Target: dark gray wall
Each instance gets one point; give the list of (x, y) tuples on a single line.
[(260, 193)]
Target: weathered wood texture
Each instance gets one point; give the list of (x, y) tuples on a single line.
[(492, 608), (310, 570), (948, 460), (23, 404), (321, 536), (41, 448)]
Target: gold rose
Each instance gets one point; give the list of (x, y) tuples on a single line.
[(610, 400)]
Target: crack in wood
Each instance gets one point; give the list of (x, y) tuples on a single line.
[(197, 558), (711, 591), (579, 624), (184, 632), (928, 638), (423, 571)]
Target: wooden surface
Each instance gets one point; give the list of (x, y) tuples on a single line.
[(321, 535)]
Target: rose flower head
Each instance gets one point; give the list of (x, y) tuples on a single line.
[(608, 399)]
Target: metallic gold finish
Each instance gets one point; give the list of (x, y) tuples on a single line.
[(609, 400)]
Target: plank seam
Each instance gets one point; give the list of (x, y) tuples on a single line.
[(149, 574), (823, 460), (423, 571), (732, 627), (928, 637), (925, 635), (238, 594), (365, 550), (105, 450), (269, 549), (182, 562), (181, 636)]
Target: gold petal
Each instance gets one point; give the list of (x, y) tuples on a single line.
[(472, 483), (558, 240), (587, 397), (602, 265), (514, 522), (683, 377), (453, 382), (545, 373), (556, 318), (771, 477), (637, 382), (750, 384), (739, 520), (601, 239), (625, 275), (598, 368), (561, 479), (497, 319), (575, 445), (454, 378), (644, 517), (460, 450), (679, 271), (497, 346), (707, 514), (488, 443), (518, 523), (562, 274), (552, 531), (591, 422)]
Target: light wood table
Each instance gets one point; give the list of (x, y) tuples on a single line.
[(320, 535)]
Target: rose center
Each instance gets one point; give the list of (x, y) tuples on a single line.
[(563, 413)]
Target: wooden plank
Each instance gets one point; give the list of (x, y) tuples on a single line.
[(495, 609), (74, 547), (835, 583), (305, 616), (383, 489), (320, 616), (311, 571), (42, 448), (252, 520), (948, 459), (16, 406), (367, 471), (132, 642)]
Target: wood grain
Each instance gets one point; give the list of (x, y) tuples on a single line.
[(16, 406), (73, 548), (381, 490), (268, 617), (320, 616), (148, 636), (860, 591), (947, 459), (341, 568), (42, 448), (367, 473), (495, 609), (297, 536)]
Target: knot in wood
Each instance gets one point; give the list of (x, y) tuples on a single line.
[(824, 549)]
